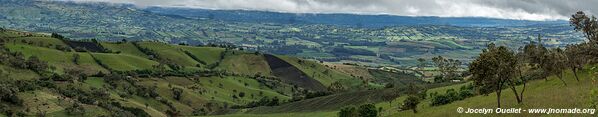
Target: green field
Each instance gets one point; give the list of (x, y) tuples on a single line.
[(170, 53), (210, 55), (123, 48), (246, 64), (58, 59), (124, 62)]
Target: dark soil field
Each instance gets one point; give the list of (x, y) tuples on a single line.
[(290, 74)]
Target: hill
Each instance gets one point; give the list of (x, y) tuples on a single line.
[(49, 74)]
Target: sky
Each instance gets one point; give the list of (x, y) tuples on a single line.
[(539, 10)]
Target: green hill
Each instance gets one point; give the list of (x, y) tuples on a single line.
[(129, 78)]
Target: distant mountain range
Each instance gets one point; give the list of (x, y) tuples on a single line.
[(354, 20)]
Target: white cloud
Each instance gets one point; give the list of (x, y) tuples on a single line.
[(505, 9)]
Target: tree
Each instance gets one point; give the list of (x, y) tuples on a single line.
[(556, 63), (177, 93), (411, 103), (76, 58), (36, 64), (348, 112), (421, 63), (390, 96), (368, 110), (74, 73), (336, 87), (76, 109), (587, 25), (575, 58), (447, 67), (493, 70)]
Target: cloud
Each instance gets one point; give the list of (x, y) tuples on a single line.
[(505, 9)]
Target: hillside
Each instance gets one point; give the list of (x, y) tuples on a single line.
[(49, 74), (539, 94)]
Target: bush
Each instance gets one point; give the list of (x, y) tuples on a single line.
[(452, 95), (177, 93), (76, 109), (348, 112), (368, 110), (411, 103)]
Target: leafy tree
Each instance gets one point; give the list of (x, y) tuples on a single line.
[(336, 87), (390, 96), (575, 58), (348, 112), (586, 24), (411, 103), (447, 67), (493, 70), (76, 109), (556, 63), (36, 64), (76, 58), (177, 93), (367, 110), (421, 63)]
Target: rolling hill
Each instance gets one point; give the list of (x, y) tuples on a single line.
[(145, 78)]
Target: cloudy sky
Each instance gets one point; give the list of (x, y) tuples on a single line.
[(506, 9)]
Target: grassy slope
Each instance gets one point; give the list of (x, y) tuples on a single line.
[(246, 64), (59, 59), (539, 94), (171, 53), (210, 55), (124, 48), (229, 84), (320, 72), (124, 62)]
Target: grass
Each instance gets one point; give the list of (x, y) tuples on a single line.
[(56, 58), (319, 72), (538, 94), (95, 82), (124, 62), (210, 55), (211, 85), (310, 114), (170, 52), (89, 65), (246, 64), (42, 41), (9, 73), (124, 48)]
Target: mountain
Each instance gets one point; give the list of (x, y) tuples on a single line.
[(352, 20)]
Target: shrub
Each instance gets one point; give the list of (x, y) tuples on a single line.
[(411, 103), (348, 112), (368, 110)]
